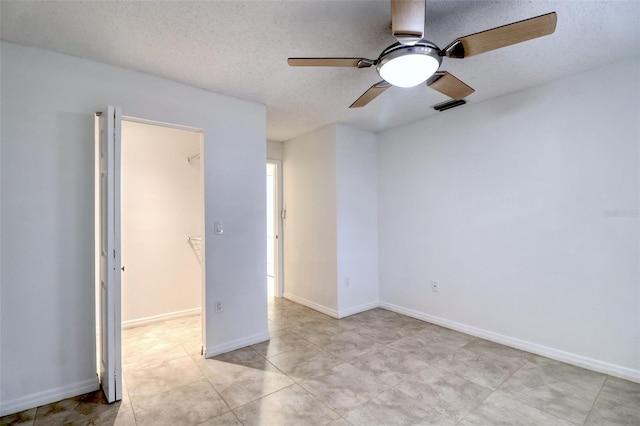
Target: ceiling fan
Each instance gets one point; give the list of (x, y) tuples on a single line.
[(414, 60)]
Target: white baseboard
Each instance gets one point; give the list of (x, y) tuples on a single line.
[(357, 309), (570, 358), (235, 344), (48, 396), (313, 305), (157, 318)]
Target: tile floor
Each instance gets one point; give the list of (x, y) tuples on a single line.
[(374, 368)]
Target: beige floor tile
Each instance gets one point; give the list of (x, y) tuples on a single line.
[(561, 399), (295, 316), (444, 392), (83, 409), (243, 386), (343, 367), (145, 382), (318, 335), (238, 360), (187, 405), (383, 334), (500, 410), (544, 370), (188, 335), (389, 365), (226, 419), (275, 327), (626, 392), (327, 323), (394, 408), (428, 349), (486, 372), (246, 357), (151, 356), (618, 404), (290, 406), (490, 350), (344, 387), (374, 315), (125, 417), (348, 345), (339, 422), (280, 343), (305, 362), (22, 418), (609, 410)]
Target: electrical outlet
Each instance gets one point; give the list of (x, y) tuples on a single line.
[(435, 285), (347, 282), (219, 307)]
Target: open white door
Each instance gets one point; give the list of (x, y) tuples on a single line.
[(110, 258)]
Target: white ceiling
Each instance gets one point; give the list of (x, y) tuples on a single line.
[(240, 48)]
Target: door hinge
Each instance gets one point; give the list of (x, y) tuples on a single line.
[(114, 253)]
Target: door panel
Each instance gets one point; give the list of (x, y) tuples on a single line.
[(109, 328)]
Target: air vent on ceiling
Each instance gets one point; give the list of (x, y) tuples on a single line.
[(449, 104)]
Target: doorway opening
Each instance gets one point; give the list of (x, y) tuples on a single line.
[(160, 229), (274, 230), (162, 204)]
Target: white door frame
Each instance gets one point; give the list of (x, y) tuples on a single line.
[(109, 344), (279, 258)]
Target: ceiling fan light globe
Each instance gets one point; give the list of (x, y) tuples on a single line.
[(409, 70), (408, 66)]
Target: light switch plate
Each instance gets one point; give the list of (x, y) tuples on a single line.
[(218, 227)]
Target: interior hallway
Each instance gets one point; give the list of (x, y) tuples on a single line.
[(374, 368)]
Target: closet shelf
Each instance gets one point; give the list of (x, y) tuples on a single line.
[(196, 245), (194, 160)]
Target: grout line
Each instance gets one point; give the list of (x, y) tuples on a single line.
[(593, 404)]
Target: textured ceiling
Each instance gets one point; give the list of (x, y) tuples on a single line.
[(240, 48)]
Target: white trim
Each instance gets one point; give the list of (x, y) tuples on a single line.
[(357, 309), (279, 267), (48, 396), (567, 357), (162, 124), (157, 318), (236, 344), (309, 304)]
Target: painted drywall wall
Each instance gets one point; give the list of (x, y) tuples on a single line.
[(310, 242), (47, 313), (357, 219), (331, 239), (525, 209), (162, 202), (274, 150)]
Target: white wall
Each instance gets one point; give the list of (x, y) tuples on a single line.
[(47, 294), (162, 203), (357, 219), (274, 150), (330, 233), (310, 236), (506, 204)]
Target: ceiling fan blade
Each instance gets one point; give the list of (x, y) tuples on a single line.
[(330, 62), (407, 20), (447, 84), (502, 36), (370, 94)]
